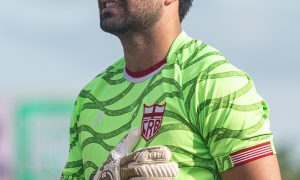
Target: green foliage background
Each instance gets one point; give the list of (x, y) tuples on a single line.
[(290, 170)]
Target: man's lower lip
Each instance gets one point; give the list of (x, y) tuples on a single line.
[(111, 10)]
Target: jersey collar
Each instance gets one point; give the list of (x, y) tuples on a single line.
[(171, 57)]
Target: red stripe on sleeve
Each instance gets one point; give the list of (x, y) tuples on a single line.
[(250, 154)]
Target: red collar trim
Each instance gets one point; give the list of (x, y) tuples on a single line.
[(147, 71)]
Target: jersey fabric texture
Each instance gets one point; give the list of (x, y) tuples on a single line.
[(208, 111)]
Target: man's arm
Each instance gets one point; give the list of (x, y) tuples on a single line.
[(266, 168), (236, 126), (74, 166)]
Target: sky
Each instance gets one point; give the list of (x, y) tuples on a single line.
[(54, 47)]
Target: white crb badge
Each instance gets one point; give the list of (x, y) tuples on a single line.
[(152, 120)]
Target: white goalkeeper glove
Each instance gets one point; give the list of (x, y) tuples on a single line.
[(143, 164)]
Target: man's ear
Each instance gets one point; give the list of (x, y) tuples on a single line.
[(168, 2)]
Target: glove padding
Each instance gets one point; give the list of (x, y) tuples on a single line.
[(146, 163)]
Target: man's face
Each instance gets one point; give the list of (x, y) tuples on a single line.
[(121, 16)]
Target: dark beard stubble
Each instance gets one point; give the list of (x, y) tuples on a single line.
[(138, 21)]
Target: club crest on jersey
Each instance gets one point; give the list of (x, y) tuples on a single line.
[(152, 120)]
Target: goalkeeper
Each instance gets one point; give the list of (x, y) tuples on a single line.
[(172, 108)]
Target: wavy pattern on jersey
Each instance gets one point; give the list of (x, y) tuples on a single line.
[(112, 77), (180, 49), (230, 97), (187, 64), (215, 104), (67, 176), (96, 104), (195, 161), (100, 137), (169, 127), (194, 82), (74, 132), (244, 108), (90, 164), (205, 162), (169, 95), (101, 105), (181, 119), (224, 133), (108, 77), (224, 161), (204, 72), (74, 164), (196, 51)]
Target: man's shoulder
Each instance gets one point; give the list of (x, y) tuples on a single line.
[(111, 79), (202, 64), (192, 53), (196, 58), (110, 75)]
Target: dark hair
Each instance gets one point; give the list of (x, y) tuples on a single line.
[(184, 7)]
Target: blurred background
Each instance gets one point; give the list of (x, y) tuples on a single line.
[(50, 49)]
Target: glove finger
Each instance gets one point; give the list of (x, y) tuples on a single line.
[(148, 155), (127, 144), (164, 171)]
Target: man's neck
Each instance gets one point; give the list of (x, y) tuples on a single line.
[(142, 50)]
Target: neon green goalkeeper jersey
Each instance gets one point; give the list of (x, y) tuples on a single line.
[(196, 103)]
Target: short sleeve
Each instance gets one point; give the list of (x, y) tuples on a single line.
[(73, 169), (233, 118)]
